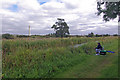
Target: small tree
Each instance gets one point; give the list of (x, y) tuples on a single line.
[(91, 34), (61, 28)]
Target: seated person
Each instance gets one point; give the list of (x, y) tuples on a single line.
[(98, 49)]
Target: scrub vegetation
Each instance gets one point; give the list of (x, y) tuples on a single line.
[(58, 58)]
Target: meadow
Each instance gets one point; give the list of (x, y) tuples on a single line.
[(57, 58)]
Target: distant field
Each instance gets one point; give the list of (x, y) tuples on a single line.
[(54, 58)]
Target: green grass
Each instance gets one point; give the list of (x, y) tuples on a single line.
[(55, 58), (0, 58), (95, 66)]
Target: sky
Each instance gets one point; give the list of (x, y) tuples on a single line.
[(80, 15)]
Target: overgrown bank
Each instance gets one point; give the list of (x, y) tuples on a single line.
[(47, 58)]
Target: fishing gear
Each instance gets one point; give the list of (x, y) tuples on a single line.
[(111, 51), (103, 52)]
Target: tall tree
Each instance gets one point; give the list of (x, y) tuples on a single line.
[(110, 10), (61, 28)]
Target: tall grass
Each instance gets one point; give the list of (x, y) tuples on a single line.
[(0, 57), (45, 58)]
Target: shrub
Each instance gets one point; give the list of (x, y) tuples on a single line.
[(22, 36), (7, 36)]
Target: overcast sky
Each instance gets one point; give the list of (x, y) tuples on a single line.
[(80, 16)]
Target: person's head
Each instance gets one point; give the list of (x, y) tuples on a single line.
[(98, 43)]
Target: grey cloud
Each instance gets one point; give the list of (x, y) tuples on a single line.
[(45, 17), (70, 6)]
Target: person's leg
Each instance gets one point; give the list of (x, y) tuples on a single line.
[(97, 51)]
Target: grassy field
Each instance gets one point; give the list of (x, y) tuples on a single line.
[(0, 58), (54, 58)]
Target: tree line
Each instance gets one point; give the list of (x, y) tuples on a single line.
[(10, 36)]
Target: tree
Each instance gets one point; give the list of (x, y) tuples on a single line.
[(98, 35), (61, 28), (91, 34), (110, 10)]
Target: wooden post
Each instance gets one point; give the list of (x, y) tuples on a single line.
[(29, 30)]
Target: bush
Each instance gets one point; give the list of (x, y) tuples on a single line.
[(115, 34), (7, 36), (98, 35), (22, 36)]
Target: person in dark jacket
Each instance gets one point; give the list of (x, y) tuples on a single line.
[(98, 49)]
